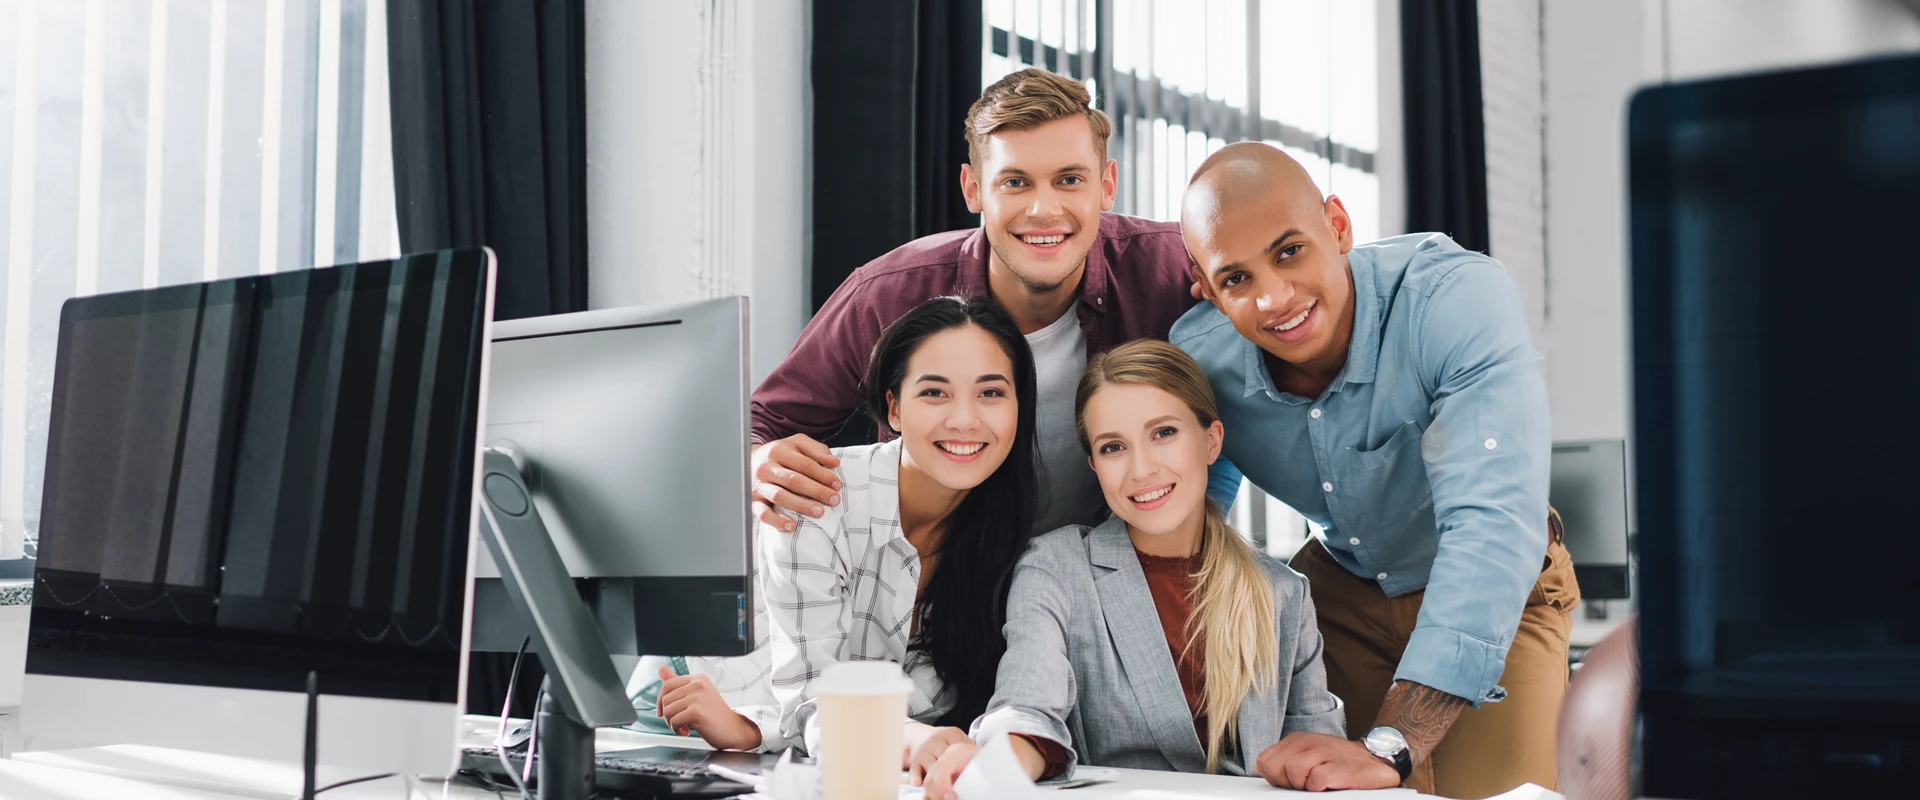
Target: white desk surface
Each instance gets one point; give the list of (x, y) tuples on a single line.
[(109, 772)]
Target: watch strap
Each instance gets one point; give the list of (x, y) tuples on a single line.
[(1403, 763)]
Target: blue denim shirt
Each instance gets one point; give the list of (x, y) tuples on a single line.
[(1425, 460)]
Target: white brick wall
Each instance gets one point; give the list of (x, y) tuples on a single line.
[(1513, 104)]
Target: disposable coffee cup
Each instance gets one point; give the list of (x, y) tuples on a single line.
[(863, 709)]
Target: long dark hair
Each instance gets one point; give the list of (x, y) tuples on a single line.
[(964, 606)]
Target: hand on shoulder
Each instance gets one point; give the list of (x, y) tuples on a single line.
[(793, 474)]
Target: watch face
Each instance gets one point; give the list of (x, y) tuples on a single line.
[(1384, 742)]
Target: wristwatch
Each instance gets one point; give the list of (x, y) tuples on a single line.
[(1391, 747)]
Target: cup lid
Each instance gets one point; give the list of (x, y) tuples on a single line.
[(863, 677)]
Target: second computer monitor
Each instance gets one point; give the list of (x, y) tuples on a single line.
[(633, 426), (1589, 489)]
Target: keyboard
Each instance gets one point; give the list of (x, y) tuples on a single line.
[(643, 772)]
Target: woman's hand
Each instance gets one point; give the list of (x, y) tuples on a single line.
[(691, 704), (925, 745), (941, 775)]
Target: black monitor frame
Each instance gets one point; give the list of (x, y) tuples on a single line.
[(1696, 740), (160, 631)]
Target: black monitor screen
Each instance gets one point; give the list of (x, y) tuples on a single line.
[(1776, 302), (254, 478)]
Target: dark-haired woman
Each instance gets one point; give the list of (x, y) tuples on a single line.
[(913, 566)]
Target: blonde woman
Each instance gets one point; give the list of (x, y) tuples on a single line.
[(1159, 639)]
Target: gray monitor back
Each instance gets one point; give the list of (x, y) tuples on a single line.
[(634, 425), (1589, 489)]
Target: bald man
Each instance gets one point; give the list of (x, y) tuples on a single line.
[(1390, 392)]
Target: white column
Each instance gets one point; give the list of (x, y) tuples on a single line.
[(92, 80), (13, 384), (271, 116)]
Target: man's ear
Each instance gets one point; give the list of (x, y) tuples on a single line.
[(970, 187), (1342, 223), (1199, 277), (1109, 185)]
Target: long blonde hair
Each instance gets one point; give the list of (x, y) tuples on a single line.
[(1232, 599)]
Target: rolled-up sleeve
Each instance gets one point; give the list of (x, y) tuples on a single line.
[(803, 578), (1223, 483), (1486, 455), (1034, 689)]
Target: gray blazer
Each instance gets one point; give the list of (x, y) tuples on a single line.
[(1087, 663)]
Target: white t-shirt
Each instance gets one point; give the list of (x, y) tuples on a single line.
[(1069, 492)]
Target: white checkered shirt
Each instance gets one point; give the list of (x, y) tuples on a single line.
[(840, 588)]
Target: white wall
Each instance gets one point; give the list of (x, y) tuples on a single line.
[(1513, 116), (1592, 64), (1703, 38), (1390, 160), (1594, 55), (696, 158)]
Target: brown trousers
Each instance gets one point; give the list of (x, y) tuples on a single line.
[(1491, 749)]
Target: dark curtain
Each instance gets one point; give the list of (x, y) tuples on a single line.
[(490, 141), (1446, 135), (891, 83), (946, 82), (863, 134), (489, 148)]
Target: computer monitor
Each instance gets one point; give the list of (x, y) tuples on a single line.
[(252, 480), (633, 426), (1589, 489), (1775, 335)]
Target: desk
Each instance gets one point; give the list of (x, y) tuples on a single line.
[(110, 772), (1222, 786)]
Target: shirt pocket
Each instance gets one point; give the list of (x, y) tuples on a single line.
[(1381, 488)]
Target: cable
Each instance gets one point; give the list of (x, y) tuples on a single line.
[(499, 742), (533, 736), (354, 781), (480, 779)]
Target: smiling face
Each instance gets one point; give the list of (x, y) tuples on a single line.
[(1040, 192), (1272, 255), (955, 409), (1151, 454)]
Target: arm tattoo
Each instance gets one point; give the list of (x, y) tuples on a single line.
[(1420, 713)]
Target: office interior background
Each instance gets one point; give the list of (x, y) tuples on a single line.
[(768, 148)]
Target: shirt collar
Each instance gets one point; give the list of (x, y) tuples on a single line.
[(970, 278), (1363, 349)]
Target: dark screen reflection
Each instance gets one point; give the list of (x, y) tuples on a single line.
[(252, 478), (1795, 335)]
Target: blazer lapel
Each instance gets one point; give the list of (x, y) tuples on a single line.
[(1134, 625)]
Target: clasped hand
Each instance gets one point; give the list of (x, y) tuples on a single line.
[(1318, 762)]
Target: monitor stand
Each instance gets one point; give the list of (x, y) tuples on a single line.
[(585, 690)]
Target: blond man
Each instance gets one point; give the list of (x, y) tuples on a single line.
[(1077, 280)]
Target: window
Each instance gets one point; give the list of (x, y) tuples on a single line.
[(1182, 78), (153, 142)]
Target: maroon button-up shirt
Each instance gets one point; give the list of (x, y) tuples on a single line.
[(1135, 286)]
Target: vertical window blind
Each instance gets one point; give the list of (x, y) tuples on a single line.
[(145, 143)]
